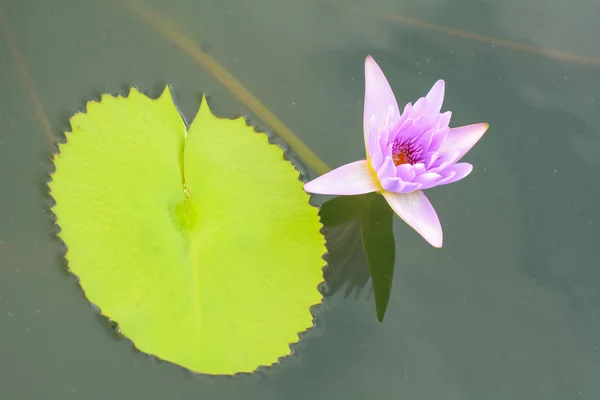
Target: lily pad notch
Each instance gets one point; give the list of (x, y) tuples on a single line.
[(200, 243)]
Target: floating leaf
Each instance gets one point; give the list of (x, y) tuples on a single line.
[(201, 245)]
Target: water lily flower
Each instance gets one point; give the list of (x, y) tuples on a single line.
[(406, 153)]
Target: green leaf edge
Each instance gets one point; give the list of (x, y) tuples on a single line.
[(272, 139)]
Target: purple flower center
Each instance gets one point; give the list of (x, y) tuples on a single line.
[(406, 151)]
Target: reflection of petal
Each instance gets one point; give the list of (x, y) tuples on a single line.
[(378, 97), (354, 178), (377, 232), (360, 249), (463, 138), (346, 260), (416, 210)]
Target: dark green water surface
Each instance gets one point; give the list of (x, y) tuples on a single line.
[(509, 308)]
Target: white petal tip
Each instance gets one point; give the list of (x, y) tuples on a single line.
[(437, 243), (349, 179), (433, 236), (313, 187), (416, 210)]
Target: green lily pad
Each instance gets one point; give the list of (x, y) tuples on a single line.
[(200, 244)]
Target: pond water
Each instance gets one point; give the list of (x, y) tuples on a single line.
[(509, 308)]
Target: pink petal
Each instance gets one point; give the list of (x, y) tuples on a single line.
[(460, 170), (454, 173), (355, 178), (444, 119), (374, 152), (463, 138), (420, 107), (435, 97), (416, 210), (379, 97)]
